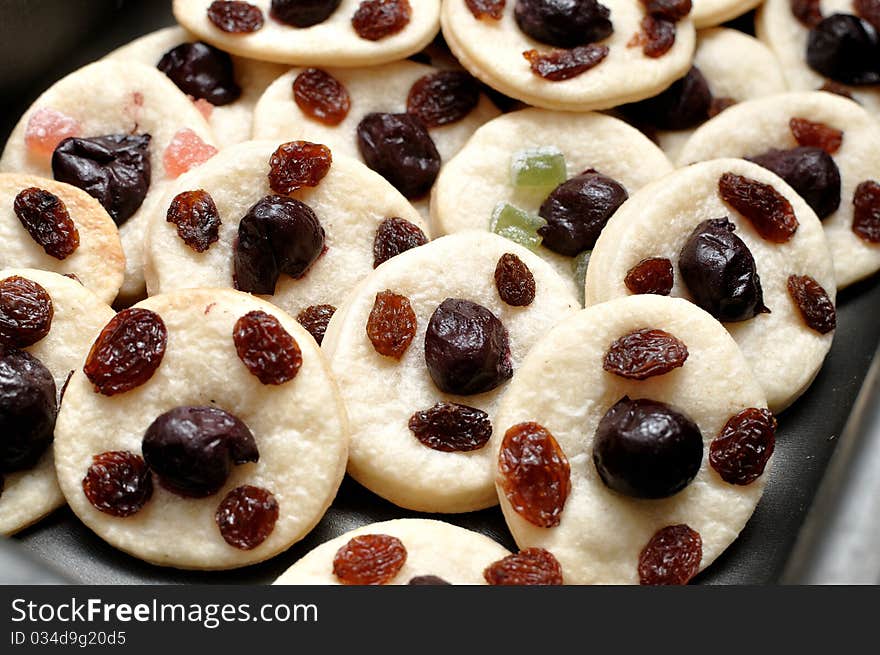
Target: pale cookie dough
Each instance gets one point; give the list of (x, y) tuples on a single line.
[(115, 97), (333, 42), (783, 352), (562, 386), (493, 51), (299, 426), (30, 495), (753, 127), (350, 202), (456, 555), (381, 393), (707, 13), (98, 261)]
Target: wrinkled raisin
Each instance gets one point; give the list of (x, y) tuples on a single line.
[(656, 38), (235, 17), (684, 104), (642, 354), (532, 566), (442, 98), (808, 12), (451, 427), (720, 104), (741, 451), (768, 211), (391, 325), (46, 219), (818, 135), (321, 96), (534, 474), (812, 301), (118, 483), (266, 348), (302, 13), (370, 559), (394, 236), (196, 217), (514, 281), (376, 19), (26, 312), (27, 409), (673, 10), (563, 24), (201, 71), (315, 320), (561, 65), (869, 10), (866, 211), (652, 275), (671, 557), (809, 171), (246, 516), (830, 86), (298, 164), (417, 580), (493, 9), (185, 151), (844, 48)]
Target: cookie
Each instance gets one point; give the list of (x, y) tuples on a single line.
[(63, 321), (629, 473), (437, 332), (219, 442), (402, 551), (834, 168), (708, 13), (571, 56), (667, 220), (346, 33), (109, 108), (83, 241)]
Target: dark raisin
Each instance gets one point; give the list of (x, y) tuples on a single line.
[(720, 273), (684, 104), (577, 210), (266, 348), (514, 281), (298, 164), (815, 307), (642, 354), (442, 98), (741, 451), (235, 17), (118, 483), (671, 557), (561, 65), (27, 409), (321, 96), (534, 474), (818, 135), (246, 516), (808, 12), (532, 566), (652, 275), (394, 236), (315, 319), (196, 217), (563, 24), (673, 10), (192, 449), (720, 104), (46, 219), (869, 10), (202, 71), (657, 36), (370, 559), (391, 325), (302, 13), (417, 580), (830, 86), (767, 210), (846, 49), (809, 171), (467, 350), (866, 211), (399, 148), (26, 312), (451, 427), (127, 351), (493, 9), (376, 19)]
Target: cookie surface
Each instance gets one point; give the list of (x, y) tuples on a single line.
[(707, 13)]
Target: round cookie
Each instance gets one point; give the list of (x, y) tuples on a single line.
[(333, 41), (78, 315), (298, 425), (231, 123), (477, 181), (386, 455), (118, 98), (97, 262), (784, 353), (433, 548), (492, 49), (599, 533), (751, 128), (707, 13)]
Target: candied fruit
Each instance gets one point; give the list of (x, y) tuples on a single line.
[(186, 150), (46, 128), (515, 224), (538, 168)]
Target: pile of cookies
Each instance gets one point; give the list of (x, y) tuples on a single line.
[(334, 240)]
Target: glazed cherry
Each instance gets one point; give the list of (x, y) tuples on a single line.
[(27, 409), (202, 71), (846, 49), (646, 449), (684, 104), (302, 13), (808, 170), (563, 23)]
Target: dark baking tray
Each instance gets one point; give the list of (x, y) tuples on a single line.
[(41, 40)]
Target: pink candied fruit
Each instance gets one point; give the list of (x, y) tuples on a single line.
[(46, 128), (203, 106), (186, 151)]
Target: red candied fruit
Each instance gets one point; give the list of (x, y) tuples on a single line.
[(818, 135), (376, 19), (46, 128), (118, 483), (671, 557), (268, 351), (652, 275), (642, 354), (561, 65), (196, 217), (816, 308), (493, 9), (315, 320), (514, 281), (768, 211), (321, 96), (26, 312), (235, 17), (391, 325), (186, 150), (866, 213), (451, 427), (370, 559), (808, 12), (246, 516), (532, 566), (298, 164), (45, 217), (741, 451)]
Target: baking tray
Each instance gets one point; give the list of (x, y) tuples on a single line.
[(42, 40)]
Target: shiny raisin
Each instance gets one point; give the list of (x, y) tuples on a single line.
[(818, 135), (26, 312), (246, 516), (671, 557), (391, 325), (657, 36), (321, 96), (451, 427), (561, 65), (642, 354), (394, 236), (493, 9), (514, 281), (563, 24), (808, 170), (846, 49), (376, 19), (652, 275), (268, 351), (196, 217), (866, 211), (767, 210), (302, 13), (370, 559), (741, 450), (444, 97), (433, 580), (27, 409), (808, 12), (532, 566), (118, 483), (684, 104), (201, 71), (315, 320), (298, 164), (816, 308), (45, 217), (235, 17), (670, 9)]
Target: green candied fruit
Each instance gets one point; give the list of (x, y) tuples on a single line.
[(515, 224), (542, 168), (579, 269)]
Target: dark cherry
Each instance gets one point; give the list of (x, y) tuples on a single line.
[(202, 71), (302, 13), (846, 49), (394, 236), (27, 409), (808, 170), (563, 23), (646, 449), (684, 104), (423, 579)]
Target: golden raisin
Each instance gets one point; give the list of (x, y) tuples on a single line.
[(391, 325)]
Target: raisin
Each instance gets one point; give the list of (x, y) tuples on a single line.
[(684, 104), (645, 353), (493, 9), (563, 24), (815, 306), (818, 135), (768, 211), (118, 483), (869, 10), (376, 19), (671, 557), (127, 351), (321, 96), (201, 71), (266, 348), (391, 325), (808, 12), (235, 17), (298, 164), (532, 566), (185, 151), (46, 219), (652, 275), (46, 128), (315, 320), (656, 38), (514, 281), (866, 212), (394, 236), (673, 10), (27, 409), (720, 104), (846, 49), (561, 65), (370, 559), (302, 13), (442, 98), (196, 217), (534, 474), (741, 451), (451, 427), (26, 312), (246, 516), (433, 580), (808, 170)]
